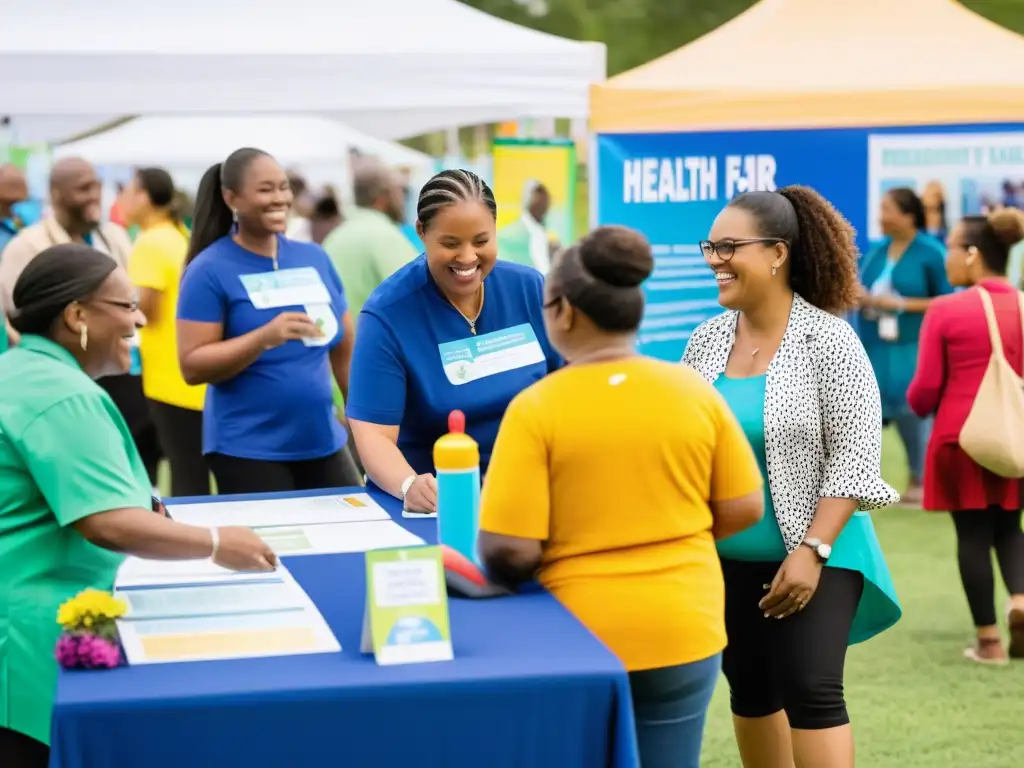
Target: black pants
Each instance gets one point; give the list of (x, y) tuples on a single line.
[(793, 664), (978, 532), (126, 392), (20, 751), (181, 437), (235, 475)]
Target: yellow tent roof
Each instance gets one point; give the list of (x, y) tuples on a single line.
[(825, 63)]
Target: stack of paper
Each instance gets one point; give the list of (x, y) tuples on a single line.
[(314, 525), (196, 611)]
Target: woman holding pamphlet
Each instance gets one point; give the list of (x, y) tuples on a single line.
[(74, 494), (810, 578), (263, 321), (455, 329), (637, 567)]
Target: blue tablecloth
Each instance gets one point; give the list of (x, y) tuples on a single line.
[(529, 688)]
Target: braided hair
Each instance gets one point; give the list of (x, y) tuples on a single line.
[(455, 185)]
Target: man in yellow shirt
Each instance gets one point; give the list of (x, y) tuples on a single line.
[(155, 266), (610, 481)]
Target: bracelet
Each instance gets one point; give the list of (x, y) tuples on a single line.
[(406, 485), (215, 537)]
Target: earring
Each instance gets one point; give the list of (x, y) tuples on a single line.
[(83, 338), (774, 270), (234, 215)]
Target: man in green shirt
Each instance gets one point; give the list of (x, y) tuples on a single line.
[(368, 246)]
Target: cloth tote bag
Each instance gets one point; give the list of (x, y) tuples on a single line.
[(993, 434)]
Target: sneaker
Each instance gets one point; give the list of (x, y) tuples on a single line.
[(1015, 620), (987, 650)]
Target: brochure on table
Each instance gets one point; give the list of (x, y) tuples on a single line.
[(406, 616), (186, 617), (311, 525)]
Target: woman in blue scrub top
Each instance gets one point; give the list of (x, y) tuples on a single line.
[(264, 322), (900, 276), (454, 329)]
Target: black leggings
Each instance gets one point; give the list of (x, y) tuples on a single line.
[(181, 438), (126, 392), (978, 532), (793, 664), (235, 475), (20, 751)]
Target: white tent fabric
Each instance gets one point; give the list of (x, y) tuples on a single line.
[(202, 141), (392, 68)]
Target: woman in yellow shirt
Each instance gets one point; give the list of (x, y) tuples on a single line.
[(610, 481), (155, 267)]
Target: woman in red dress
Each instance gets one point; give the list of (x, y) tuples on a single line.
[(954, 354)]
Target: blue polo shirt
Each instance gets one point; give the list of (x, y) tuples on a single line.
[(281, 407), (416, 360)]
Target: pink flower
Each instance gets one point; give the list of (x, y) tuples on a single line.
[(98, 653), (67, 651)]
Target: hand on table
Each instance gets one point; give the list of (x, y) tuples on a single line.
[(422, 494), (242, 550), (794, 584), (289, 326)]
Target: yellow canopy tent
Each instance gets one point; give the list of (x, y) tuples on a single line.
[(825, 63)]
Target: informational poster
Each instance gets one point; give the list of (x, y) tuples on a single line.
[(672, 186), (535, 188), (972, 172)]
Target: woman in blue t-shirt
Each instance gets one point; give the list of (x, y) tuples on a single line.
[(263, 320), (455, 329)]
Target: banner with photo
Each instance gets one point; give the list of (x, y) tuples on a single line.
[(672, 186), (972, 172), (535, 187)]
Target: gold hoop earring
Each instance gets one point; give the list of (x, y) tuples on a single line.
[(83, 338)]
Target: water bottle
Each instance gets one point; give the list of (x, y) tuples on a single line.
[(457, 463)]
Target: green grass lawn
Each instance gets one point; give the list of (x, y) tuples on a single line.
[(915, 702)]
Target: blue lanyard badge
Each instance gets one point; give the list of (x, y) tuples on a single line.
[(883, 283), (477, 357)]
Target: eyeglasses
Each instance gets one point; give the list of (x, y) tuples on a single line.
[(127, 306), (553, 303), (726, 249)]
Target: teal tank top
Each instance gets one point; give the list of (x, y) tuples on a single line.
[(762, 542), (856, 549)]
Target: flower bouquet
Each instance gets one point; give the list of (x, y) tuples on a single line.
[(89, 639)]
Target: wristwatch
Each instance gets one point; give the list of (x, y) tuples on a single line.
[(406, 485), (821, 549)]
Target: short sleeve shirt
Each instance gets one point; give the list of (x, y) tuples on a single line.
[(280, 408), (65, 453), (416, 359)]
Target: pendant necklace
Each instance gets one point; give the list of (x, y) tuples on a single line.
[(471, 320)]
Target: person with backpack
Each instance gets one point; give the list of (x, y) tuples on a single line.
[(968, 375)]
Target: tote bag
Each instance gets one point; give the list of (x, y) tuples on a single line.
[(993, 434)]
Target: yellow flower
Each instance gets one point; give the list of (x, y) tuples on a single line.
[(88, 608)]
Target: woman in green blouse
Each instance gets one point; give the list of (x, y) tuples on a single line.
[(74, 494)]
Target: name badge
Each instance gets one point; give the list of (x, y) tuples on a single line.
[(478, 357), (285, 288), (889, 328)]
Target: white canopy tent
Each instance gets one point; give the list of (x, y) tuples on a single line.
[(392, 68), (202, 141)]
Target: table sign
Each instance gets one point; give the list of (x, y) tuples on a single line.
[(406, 616)]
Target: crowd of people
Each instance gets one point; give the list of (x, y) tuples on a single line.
[(746, 545)]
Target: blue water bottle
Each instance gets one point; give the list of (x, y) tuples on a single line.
[(457, 462)]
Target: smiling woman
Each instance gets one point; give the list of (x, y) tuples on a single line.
[(263, 320), (455, 329)]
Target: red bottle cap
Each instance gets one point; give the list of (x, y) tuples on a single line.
[(457, 422)]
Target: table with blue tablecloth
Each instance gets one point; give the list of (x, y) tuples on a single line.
[(529, 688)]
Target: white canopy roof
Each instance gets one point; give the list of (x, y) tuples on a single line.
[(393, 68), (202, 141)]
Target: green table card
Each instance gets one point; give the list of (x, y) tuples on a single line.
[(406, 617)]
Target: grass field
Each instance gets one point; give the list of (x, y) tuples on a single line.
[(914, 701)]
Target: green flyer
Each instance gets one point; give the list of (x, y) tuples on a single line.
[(406, 618)]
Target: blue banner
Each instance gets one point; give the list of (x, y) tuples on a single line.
[(671, 187)]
